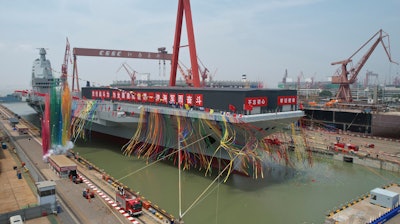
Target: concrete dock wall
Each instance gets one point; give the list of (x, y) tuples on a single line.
[(369, 161)]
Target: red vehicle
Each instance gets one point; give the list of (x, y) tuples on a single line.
[(75, 177), (345, 147), (370, 145), (86, 193), (131, 204)]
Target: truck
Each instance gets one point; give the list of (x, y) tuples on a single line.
[(75, 177), (128, 202)]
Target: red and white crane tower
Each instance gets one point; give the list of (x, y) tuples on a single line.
[(341, 75)]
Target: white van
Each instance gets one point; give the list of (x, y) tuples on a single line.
[(16, 219)]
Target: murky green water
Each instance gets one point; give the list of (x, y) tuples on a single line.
[(300, 196)]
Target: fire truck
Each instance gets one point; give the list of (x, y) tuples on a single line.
[(339, 146), (129, 203)]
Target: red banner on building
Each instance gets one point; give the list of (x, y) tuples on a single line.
[(260, 101), (150, 97), (287, 100)]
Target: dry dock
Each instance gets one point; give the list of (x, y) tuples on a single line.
[(384, 155), (86, 211)]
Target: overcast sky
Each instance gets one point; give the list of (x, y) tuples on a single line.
[(259, 38)]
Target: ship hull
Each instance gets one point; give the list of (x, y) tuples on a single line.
[(385, 124), (37, 105), (111, 123), (225, 138)]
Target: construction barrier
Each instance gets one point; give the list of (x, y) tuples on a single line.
[(387, 216)]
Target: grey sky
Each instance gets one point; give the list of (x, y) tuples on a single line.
[(260, 38)]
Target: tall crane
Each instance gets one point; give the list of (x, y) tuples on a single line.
[(204, 72), (130, 71), (64, 66), (284, 79), (187, 76), (299, 80), (367, 78), (396, 81), (184, 9), (341, 75)]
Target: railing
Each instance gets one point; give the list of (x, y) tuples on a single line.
[(28, 213)]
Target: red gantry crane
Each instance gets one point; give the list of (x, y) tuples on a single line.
[(114, 54), (184, 10), (341, 75)]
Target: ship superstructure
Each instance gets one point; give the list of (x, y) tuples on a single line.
[(41, 82)]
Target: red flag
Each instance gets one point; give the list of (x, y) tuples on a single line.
[(232, 108), (248, 107)]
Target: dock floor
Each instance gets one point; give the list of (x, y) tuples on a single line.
[(385, 149), (16, 193), (362, 211)]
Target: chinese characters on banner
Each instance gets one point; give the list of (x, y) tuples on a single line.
[(287, 100), (260, 101), (150, 97), (181, 99)]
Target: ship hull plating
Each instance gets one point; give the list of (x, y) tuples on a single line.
[(206, 142)]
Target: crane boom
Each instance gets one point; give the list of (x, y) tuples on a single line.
[(188, 77), (131, 72), (203, 70), (341, 75)]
